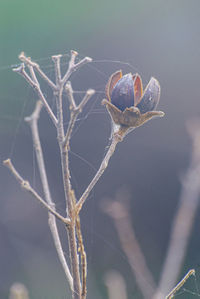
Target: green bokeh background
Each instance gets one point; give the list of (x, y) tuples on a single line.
[(159, 38)]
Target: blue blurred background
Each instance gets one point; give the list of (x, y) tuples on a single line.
[(153, 38)]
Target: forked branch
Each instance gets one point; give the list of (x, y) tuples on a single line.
[(71, 222), (26, 186), (36, 87)]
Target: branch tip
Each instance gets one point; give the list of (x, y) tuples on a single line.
[(7, 162), (55, 57), (88, 59), (161, 113), (21, 55), (19, 69), (74, 53), (90, 92)]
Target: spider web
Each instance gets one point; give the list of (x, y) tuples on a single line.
[(26, 102), (95, 68)]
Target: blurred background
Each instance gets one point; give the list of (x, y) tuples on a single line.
[(154, 38)]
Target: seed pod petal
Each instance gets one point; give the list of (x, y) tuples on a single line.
[(123, 93), (138, 88), (150, 97), (112, 82)]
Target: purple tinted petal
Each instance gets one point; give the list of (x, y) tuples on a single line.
[(151, 97), (123, 93)]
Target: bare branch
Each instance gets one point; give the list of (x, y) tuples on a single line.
[(88, 95), (115, 139), (74, 260), (33, 122), (73, 67), (69, 91), (21, 71), (81, 63), (60, 126), (33, 75), (81, 249), (75, 111), (28, 61), (62, 140), (118, 210), (184, 218), (56, 60), (26, 186), (36, 87)]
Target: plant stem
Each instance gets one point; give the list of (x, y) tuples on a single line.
[(26, 186), (33, 122), (115, 139)]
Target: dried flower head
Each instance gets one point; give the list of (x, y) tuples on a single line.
[(128, 105)]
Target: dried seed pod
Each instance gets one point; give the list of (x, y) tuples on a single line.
[(127, 104)]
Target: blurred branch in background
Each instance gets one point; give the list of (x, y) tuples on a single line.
[(119, 211), (116, 285), (184, 218), (18, 291)]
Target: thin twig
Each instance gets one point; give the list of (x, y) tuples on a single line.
[(82, 252), (26, 186), (69, 193), (184, 218), (69, 91), (88, 95), (21, 70), (36, 87), (33, 75), (81, 249), (59, 106), (33, 122), (28, 61), (118, 210), (115, 139), (74, 259), (71, 230), (75, 111), (56, 60), (180, 284), (74, 66)]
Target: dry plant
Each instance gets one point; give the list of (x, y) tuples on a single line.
[(138, 108), (119, 211)]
